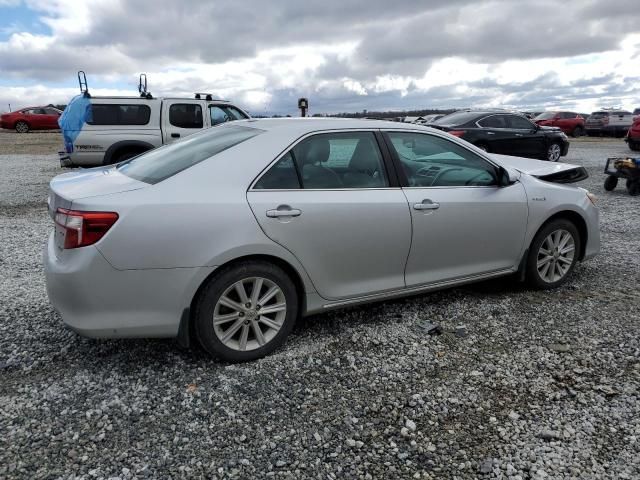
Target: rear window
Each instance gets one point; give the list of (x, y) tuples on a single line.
[(458, 118), (119, 114), (164, 162)]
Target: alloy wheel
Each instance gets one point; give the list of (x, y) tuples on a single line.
[(553, 154), (555, 256), (249, 313), (22, 127)]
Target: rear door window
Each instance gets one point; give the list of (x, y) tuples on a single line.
[(161, 163), (186, 115), (493, 121), (519, 123)]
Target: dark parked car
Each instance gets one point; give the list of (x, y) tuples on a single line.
[(32, 118), (570, 123), (506, 133)]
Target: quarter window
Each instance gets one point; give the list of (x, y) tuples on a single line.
[(115, 114), (185, 115), (430, 161)]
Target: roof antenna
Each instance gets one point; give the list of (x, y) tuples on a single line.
[(84, 87), (142, 87)]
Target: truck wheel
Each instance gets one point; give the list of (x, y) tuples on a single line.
[(121, 157), (610, 183), (22, 127), (483, 146)]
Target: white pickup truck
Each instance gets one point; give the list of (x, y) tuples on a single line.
[(106, 130)]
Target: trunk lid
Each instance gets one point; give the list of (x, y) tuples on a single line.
[(94, 182), (542, 169)]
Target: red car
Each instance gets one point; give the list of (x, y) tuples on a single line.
[(31, 118), (570, 123), (633, 135)]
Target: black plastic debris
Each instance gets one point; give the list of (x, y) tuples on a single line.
[(429, 327)]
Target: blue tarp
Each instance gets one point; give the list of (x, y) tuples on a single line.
[(78, 112)]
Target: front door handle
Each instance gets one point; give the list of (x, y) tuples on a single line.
[(175, 135), (426, 204), (284, 211)]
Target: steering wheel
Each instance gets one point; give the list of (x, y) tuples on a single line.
[(470, 182)]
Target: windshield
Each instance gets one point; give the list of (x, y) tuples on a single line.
[(457, 118), (164, 162), (545, 116)]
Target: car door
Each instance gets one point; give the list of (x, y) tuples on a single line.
[(331, 202), (52, 115), (494, 132), (528, 140), (181, 118), (464, 223)]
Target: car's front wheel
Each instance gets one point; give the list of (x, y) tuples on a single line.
[(246, 311), (554, 152), (22, 127), (578, 132), (553, 254)]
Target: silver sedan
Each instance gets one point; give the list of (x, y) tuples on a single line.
[(230, 235)]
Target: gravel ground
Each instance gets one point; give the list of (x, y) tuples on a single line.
[(41, 142), (543, 385)]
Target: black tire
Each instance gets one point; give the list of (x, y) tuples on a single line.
[(633, 188), (634, 146), (216, 287), (22, 127), (610, 183), (484, 147), (577, 132), (533, 276)]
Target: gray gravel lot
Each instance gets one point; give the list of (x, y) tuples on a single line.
[(544, 384)]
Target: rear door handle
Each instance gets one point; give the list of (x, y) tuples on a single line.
[(175, 135), (284, 211), (491, 133), (426, 204)]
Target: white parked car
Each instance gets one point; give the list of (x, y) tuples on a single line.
[(107, 130), (233, 233)]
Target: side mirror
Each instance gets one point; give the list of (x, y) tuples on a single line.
[(507, 177)]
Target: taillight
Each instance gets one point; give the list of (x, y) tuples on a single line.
[(84, 228), (457, 133)]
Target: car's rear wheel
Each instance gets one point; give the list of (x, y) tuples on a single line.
[(246, 311), (634, 146), (22, 127), (483, 146), (610, 183), (553, 254), (577, 132), (554, 152)]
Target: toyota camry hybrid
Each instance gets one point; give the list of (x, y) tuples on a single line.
[(231, 234)]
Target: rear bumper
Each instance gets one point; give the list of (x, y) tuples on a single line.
[(98, 301)]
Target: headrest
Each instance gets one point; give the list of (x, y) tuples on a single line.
[(313, 151), (365, 157)]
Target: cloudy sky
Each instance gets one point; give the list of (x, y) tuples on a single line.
[(344, 55)]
